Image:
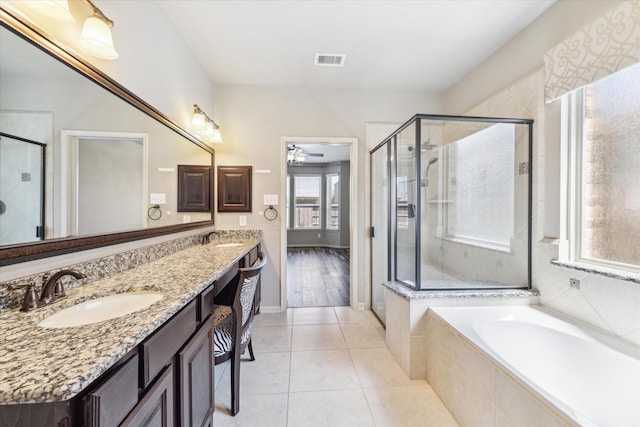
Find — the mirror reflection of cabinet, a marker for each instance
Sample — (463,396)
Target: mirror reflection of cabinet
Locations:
(234,188)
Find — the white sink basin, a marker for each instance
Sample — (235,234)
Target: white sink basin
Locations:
(227,245)
(100,309)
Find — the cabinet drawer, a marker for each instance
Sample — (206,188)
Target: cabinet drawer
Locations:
(158,350)
(224,293)
(206,302)
(114,398)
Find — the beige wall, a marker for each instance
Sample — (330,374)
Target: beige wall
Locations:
(522,55)
(255,118)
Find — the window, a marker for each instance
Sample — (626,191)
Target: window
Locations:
(480,187)
(333,201)
(307,191)
(606,171)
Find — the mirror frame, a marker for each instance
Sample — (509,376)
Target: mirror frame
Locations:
(14,254)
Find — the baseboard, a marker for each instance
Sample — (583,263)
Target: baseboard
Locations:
(270,309)
(359,306)
(318,246)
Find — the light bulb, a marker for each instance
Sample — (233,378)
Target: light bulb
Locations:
(57,10)
(198,121)
(96,38)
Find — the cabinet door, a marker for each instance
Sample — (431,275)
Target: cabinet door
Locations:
(107,405)
(157,406)
(195,373)
(234,188)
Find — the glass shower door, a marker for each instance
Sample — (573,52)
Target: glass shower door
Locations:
(21,190)
(406,206)
(379,228)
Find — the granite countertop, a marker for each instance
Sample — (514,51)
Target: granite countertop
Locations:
(47,365)
(472,292)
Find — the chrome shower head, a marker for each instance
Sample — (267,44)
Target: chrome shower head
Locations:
(424,182)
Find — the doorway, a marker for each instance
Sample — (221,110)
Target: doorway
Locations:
(318,228)
(105,171)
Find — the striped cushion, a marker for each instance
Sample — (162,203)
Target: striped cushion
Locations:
(223,337)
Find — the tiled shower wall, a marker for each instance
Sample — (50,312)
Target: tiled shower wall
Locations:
(606,303)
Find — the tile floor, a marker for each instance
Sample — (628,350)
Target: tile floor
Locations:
(325,366)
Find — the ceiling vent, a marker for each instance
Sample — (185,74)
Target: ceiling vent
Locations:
(330,59)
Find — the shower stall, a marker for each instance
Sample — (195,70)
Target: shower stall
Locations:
(451,205)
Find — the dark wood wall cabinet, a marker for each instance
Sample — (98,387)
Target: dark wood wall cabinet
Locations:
(167,380)
(234,188)
(194,188)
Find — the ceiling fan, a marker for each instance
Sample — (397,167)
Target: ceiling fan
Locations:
(297,155)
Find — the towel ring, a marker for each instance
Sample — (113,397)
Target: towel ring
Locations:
(270,213)
(154,213)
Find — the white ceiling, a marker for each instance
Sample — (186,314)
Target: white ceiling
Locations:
(330,152)
(390,45)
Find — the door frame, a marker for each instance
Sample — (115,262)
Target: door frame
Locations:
(353,212)
(69,165)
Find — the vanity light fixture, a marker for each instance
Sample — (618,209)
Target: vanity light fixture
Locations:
(96,36)
(57,10)
(205,126)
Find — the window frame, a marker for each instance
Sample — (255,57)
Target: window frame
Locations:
(294,225)
(328,205)
(573,124)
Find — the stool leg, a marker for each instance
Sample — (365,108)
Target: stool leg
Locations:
(250,346)
(235,383)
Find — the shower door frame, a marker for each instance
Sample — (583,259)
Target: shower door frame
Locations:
(40,230)
(392,243)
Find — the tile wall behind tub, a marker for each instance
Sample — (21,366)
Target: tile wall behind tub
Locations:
(609,304)
(11,297)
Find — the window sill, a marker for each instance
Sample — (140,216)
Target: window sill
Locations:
(596,269)
(479,244)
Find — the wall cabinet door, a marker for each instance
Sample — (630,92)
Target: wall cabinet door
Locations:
(234,188)
(195,373)
(156,409)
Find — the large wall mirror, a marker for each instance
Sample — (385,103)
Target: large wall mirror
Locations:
(84,162)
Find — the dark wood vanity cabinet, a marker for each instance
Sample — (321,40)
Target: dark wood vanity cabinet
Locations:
(167,380)
(171,373)
(195,373)
(157,407)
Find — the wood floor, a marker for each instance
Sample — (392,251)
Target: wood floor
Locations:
(317,277)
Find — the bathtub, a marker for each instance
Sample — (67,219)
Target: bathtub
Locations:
(590,378)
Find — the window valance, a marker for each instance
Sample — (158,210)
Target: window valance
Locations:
(609,44)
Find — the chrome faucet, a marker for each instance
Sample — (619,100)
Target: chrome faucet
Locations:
(206,238)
